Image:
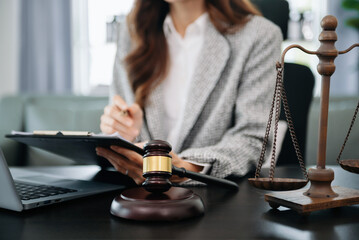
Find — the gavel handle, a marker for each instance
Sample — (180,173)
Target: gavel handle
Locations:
(182,172)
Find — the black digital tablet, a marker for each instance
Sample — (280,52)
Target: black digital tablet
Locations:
(81,149)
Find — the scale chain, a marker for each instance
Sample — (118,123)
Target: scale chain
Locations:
(277,110)
(293,136)
(349,130)
(280,94)
(269,124)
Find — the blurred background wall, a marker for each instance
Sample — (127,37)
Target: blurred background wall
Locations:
(9,46)
(68,46)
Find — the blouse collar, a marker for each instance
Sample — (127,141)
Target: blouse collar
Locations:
(196,28)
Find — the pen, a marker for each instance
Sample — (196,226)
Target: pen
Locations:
(124,113)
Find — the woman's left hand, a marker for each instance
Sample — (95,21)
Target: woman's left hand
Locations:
(124,161)
(130,163)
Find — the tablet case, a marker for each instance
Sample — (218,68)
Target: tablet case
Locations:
(81,149)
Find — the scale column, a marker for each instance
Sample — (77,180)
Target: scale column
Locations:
(320,177)
(320,194)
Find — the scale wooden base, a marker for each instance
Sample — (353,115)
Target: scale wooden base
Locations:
(297,201)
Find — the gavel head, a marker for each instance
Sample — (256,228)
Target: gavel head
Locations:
(157,166)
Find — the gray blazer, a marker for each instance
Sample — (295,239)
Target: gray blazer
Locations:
(229,98)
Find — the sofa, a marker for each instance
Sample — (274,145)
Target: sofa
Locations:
(29,113)
(82,113)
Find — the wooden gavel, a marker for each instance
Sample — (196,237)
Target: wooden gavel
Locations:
(157,200)
(157,169)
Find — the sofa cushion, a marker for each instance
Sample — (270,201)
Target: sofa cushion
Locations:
(11,109)
(61,113)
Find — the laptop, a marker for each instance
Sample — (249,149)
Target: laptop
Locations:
(22,189)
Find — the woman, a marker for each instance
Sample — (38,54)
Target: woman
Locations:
(199,74)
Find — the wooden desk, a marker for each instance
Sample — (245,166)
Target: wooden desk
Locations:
(228,215)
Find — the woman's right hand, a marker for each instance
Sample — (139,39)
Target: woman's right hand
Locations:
(126,120)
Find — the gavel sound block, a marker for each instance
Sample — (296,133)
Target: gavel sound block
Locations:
(157,200)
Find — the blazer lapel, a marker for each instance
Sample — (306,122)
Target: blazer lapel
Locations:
(211,62)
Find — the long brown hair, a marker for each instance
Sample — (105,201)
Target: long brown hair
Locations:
(147,63)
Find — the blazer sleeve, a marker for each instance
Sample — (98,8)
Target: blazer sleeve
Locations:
(239,149)
(119,84)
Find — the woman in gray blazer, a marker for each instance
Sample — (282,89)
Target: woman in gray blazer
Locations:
(199,74)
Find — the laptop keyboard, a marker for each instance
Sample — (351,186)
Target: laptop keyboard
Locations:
(29,191)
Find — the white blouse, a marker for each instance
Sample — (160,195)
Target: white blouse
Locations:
(183,55)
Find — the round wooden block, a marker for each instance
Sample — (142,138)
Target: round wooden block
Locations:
(173,205)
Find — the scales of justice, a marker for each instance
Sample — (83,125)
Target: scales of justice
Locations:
(320,195)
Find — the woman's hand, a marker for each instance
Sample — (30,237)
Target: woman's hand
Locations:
(126,120)
(130,163)
(124,161)
(179,162)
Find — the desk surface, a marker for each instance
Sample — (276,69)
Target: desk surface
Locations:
(228,215)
